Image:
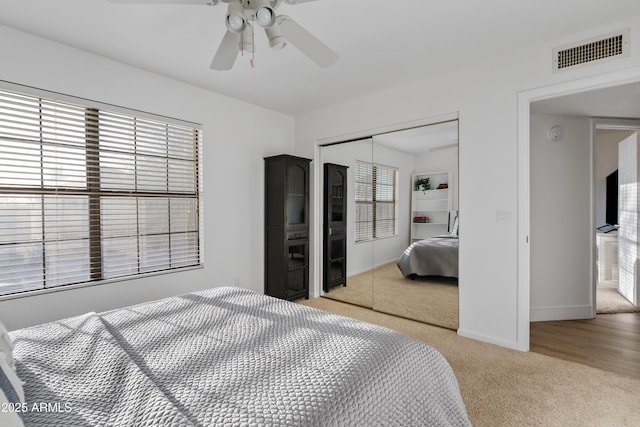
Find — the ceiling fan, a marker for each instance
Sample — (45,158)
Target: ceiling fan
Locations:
(242,16)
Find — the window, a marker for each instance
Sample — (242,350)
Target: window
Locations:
(88,194)
(376,201)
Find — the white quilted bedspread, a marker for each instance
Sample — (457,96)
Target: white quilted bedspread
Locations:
(226,357)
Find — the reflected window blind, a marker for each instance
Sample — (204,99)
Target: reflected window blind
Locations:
(88,195)
(376,201)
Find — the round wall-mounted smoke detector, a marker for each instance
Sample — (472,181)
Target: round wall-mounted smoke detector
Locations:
(555,133)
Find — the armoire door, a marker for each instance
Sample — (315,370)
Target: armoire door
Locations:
(335,226)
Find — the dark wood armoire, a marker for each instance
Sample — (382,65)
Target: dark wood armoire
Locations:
(286,254)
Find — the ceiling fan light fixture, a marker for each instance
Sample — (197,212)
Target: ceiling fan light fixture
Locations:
(276,39)
(235,17)
(265,15)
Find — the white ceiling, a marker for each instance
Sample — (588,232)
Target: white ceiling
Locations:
(621,101)
(381,43)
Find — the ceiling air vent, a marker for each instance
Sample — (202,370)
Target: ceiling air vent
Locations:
(601,49)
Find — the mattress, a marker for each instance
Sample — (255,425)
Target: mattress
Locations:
(230,356)
(435,256)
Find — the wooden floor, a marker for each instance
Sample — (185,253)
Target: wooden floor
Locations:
(610,342)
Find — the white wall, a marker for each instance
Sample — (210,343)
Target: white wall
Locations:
(233,170)
(561,282)
(485,96)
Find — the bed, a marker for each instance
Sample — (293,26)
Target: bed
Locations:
(434,256)
(227,356)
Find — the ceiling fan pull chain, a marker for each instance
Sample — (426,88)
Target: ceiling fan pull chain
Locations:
(253,53)
(241,44)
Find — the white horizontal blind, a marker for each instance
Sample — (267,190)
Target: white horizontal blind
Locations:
(376,200)
(364,202)
(385,197)
(87,194)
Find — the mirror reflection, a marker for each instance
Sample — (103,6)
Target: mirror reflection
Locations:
(347,264)
(415,273)
(399,250)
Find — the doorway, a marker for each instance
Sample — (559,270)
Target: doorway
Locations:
(626,82)
(604,341)
(581,99)
(617,211)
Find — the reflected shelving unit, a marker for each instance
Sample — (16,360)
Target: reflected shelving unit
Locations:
(431,202)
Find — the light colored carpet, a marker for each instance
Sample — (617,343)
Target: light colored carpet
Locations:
(359,290)
(503,387)
(432,300)
(609,301)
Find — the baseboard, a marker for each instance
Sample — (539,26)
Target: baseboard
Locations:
(543,314)
(491,340)
(380,264)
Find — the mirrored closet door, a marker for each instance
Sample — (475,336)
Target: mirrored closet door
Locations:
(415,271)
(401,217)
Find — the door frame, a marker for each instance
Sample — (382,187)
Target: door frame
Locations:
(525,98)
(609,123)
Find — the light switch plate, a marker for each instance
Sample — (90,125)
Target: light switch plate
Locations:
(503,216)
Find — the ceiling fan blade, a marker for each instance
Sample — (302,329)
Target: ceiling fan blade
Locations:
(306,42)
(227,53)
(206,2)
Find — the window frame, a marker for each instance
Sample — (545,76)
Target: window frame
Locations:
(95,194)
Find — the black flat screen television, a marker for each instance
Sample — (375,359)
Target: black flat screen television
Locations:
(611,215)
